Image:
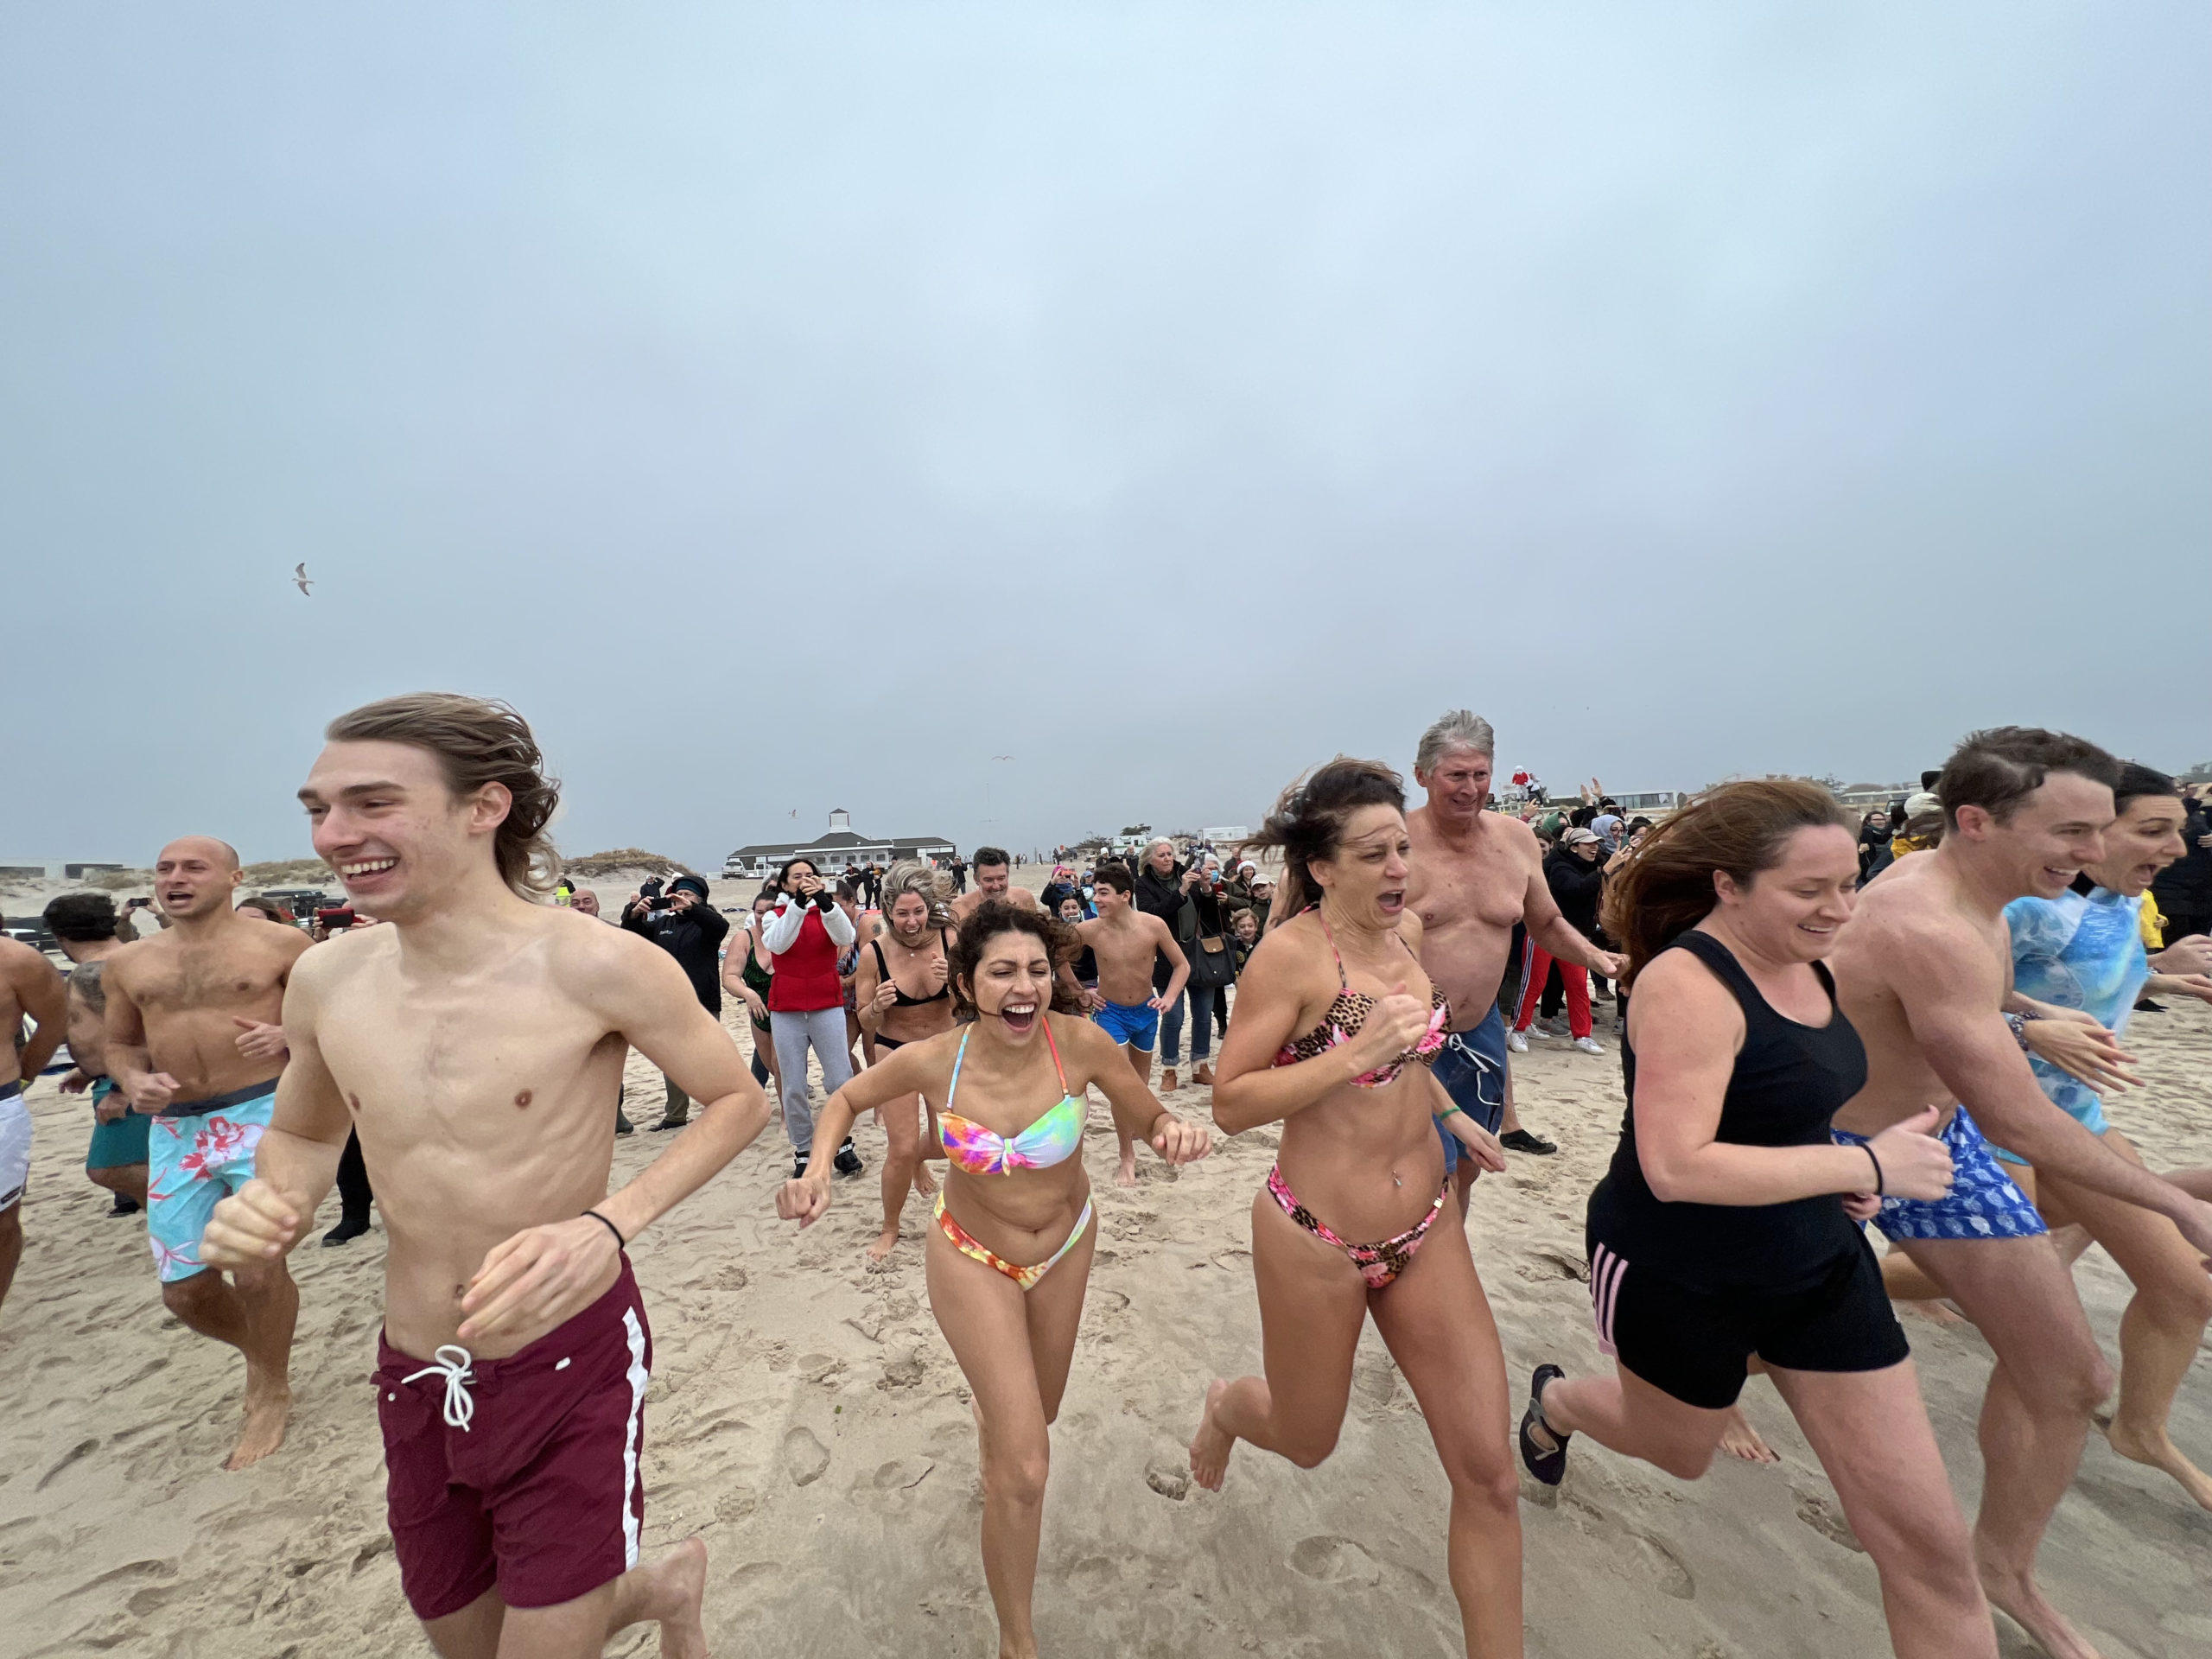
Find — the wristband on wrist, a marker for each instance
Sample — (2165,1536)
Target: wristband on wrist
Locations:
(1450,1108)
(620,1242)
(1880,1190)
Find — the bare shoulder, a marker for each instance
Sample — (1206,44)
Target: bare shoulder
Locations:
(1508,833)
(1917,911)
(16,957)
(1292,954)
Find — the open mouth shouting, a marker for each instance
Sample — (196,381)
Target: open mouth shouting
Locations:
(1019,1015)
(1392,901)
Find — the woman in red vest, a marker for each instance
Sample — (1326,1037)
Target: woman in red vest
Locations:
(806,1003)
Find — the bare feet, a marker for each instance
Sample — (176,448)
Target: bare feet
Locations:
(669,1593)
(1202,1075)
(1211,1445)
(268,1407)
(1126,1175)
(885,1241)
(2159,1451)
(1169,1082)
(1739,1439)
(2022,1600)
(925,1183)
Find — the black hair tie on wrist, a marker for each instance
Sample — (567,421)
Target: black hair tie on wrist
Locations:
(1880,1190)
(622,1244)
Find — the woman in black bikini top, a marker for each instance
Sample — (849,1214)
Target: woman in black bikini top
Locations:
(893,1017)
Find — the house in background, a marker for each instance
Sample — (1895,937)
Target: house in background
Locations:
(842,848)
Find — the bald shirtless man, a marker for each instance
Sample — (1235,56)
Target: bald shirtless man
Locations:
(1924,972)
(29,985)
(475,1042)
(195,1042)
(993,880)
(1475,874)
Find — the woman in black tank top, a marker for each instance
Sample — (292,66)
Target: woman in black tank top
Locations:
(1726,1232)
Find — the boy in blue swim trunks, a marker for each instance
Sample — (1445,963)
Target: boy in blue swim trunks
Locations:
(1924,972)
(194,1044)
(1126,942)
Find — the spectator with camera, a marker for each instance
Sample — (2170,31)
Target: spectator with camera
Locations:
(680,920)
(805,934)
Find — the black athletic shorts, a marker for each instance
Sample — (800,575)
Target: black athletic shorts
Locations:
(1693,1344)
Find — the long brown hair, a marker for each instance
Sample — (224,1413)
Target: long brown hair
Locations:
(1667,887)
(1308,822)
(476,742)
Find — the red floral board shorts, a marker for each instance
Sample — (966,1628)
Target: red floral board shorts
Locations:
(520,1473)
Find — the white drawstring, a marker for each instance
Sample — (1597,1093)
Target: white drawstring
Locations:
(453,1364)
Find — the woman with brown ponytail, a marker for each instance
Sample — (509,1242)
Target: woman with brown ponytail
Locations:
(1336,1028)
(1726,1233)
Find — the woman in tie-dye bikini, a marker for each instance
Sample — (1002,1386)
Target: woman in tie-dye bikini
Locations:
(1009,1257)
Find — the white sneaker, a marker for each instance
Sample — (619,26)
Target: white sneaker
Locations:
(1589,1044)
(1517,1041)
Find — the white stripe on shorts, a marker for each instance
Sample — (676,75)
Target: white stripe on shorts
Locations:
(1606,1272)
(631,1440)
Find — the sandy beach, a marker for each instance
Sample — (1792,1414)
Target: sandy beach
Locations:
(807,1420)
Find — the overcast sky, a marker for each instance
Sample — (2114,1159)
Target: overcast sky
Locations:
(796,407)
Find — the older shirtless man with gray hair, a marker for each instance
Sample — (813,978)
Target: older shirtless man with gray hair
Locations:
(1475,874)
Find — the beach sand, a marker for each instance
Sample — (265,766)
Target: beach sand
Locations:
(808,1421)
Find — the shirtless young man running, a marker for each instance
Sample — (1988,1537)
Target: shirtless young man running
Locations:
(1475,874)
(476,1043)
(84,925)
(28,984)
(195,1042)
(1924,972)
(1124,940)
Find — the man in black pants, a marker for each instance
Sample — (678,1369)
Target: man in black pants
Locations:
(689,929)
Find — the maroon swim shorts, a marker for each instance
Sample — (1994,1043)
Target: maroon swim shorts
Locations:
(521,1472)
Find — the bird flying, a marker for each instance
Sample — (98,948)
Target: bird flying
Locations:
(300,577)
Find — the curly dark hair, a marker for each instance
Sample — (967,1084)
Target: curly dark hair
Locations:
(992,917)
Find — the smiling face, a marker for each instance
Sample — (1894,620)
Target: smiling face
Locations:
(1792,912)
(993,880)
(195,876)
(909,918)
(384,819)
(2144,839)
(1071,910)
(1365,877)
(1459,786)
(1012,985)
(1247,925)
(2051,837)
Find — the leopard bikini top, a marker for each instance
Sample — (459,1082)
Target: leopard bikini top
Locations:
(1349,1012)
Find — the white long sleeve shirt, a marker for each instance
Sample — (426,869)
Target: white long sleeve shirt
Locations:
(782,929)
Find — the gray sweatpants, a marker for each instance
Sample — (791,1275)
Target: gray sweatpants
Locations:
(824,1028)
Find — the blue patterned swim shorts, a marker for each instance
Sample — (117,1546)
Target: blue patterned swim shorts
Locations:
(1983,1202)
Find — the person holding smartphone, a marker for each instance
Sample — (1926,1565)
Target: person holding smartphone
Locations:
(805,934)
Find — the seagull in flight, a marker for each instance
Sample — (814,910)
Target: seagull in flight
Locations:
(300,577)
(1002,757)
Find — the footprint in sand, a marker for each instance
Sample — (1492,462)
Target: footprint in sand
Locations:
(1377,1379)
(1823,1517)
(1335,1560)
(1674,1578)
(1093,1576)
(804,1456)
(1168,1481)
(82,1449)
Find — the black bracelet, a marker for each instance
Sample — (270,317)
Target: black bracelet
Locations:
(1880,1190)
(620,1242)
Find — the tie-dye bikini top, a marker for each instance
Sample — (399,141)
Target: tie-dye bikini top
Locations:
(1052,1139)
(1349,1012)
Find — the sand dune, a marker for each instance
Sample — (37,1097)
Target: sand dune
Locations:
(807,1420)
